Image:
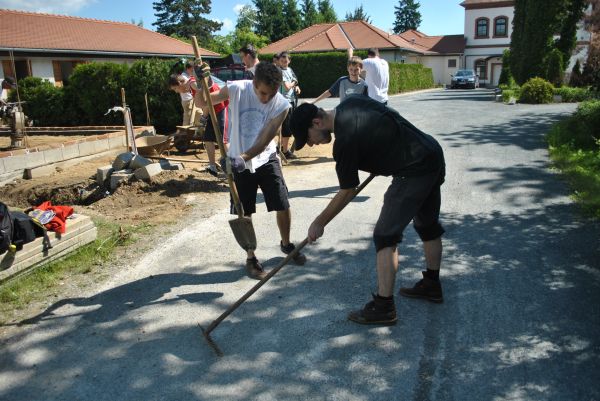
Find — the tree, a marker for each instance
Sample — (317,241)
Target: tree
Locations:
(309,13)
(555,69)
(505,75)
(591,70)
(407,16)
(568,32)
(292,17)
(326,11)
(184,18)
(534,24)
(269,19)
(358,15)
(246,19)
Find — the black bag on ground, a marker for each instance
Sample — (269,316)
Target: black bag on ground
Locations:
(6,228)
(24,229)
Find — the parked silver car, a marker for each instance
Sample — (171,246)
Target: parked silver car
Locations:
(465,79)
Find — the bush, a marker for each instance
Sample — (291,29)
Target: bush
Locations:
(407,77)
(44,103)
(318,71)
(150,76)
(570,95)
(582,130)
(537,91)
(555,71)
(92,90)
(507,94)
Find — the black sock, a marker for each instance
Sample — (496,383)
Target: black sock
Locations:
(433,274)
(386,298)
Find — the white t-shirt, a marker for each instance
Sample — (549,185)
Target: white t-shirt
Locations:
(248,116)
(186,96)
(378,78)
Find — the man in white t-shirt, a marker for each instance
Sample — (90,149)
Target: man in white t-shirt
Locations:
(376,73)
(256,112)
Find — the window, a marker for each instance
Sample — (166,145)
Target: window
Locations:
(482,28)
(500,27)
(481,69)
(452,63)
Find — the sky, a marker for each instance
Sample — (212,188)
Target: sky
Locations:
(438,17)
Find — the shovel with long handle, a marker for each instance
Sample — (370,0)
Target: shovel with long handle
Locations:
(206,332)
(242,227)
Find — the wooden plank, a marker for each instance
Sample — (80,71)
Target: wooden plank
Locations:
(60,250)
(74,228)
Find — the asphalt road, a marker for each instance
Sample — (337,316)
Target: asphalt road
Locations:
(521,277)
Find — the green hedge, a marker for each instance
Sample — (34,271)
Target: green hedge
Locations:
(318,71)
(407,77)
(570,95)
(537,91)
(582,130)
(94,88)
(44,103)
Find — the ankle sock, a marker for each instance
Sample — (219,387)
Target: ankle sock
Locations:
(433,274)
(385,298)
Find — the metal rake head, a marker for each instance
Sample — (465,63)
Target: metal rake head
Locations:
(211,342)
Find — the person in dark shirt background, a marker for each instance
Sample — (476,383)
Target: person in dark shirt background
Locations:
(372,137)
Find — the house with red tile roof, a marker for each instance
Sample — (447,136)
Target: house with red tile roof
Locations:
(50,46)
(436,52)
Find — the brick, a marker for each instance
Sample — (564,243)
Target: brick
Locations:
(53,155)
(101,145)
(103,173)
(138,162)
(118,179)
(86,148)
(14,163)
(70,151)
(122,161)
(169,165)
(147,172)
(42,171)
(116,142)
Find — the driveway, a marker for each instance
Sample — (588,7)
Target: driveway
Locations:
(521,276)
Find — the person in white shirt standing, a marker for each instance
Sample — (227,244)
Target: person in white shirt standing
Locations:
(376,73)
(257,110)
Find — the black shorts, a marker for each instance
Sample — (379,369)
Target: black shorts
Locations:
(410,198)
(209,131)
(286,130)
(269,179)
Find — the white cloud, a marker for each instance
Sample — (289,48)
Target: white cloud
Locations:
(227,27)
(238,7)
(45,6)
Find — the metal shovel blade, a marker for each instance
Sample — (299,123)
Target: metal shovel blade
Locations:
(243,231)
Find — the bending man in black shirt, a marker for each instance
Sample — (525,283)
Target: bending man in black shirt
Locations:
(371,137)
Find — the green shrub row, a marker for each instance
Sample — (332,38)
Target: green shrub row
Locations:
(94,88)
(570,95)
(537,90)
(582,130)
(318,71)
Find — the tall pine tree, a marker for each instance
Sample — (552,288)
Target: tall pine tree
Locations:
(359,14)
(407,16)
(310,15)
(568,31)
(534,24)
(183,18)
(326,11)
(292,18)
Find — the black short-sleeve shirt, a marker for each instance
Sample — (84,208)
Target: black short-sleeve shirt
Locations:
(372,137)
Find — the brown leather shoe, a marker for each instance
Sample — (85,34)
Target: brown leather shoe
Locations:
(254,269)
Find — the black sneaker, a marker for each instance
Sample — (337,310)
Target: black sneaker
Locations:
(426,288)
(289,155)
(379,311)
(299,259)
(254,269)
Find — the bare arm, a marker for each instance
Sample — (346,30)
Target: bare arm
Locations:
(339,201)
(322,96)
(265,136)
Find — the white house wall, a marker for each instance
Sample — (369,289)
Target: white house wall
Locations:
(490,13)
(42,68)
(439,66)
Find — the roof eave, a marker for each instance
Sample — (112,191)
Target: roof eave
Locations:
(95,52)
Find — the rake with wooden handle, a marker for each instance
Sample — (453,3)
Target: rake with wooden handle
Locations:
(206,332)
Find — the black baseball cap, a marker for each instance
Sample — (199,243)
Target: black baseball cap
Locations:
(300,122)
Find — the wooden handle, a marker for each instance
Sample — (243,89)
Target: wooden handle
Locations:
(123,96)
(217,128)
